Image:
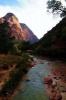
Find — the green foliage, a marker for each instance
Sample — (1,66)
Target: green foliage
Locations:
(13,81)
(25,57)
(15,75)
(30,51)
(24,62)
(39,50)
(24,46)
(15,50)
(5,39)
(56,7)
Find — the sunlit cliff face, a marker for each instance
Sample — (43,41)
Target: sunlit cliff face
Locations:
(19,31)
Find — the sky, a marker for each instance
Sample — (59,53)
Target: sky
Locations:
(31,12)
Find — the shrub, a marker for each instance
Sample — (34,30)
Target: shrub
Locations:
(13,81)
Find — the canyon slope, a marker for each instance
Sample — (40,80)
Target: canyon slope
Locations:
(53,43)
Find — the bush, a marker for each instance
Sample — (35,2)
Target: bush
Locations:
(13,81)
(15,75)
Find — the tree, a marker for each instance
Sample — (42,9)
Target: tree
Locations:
(56,7)
(24,46)
(5,39)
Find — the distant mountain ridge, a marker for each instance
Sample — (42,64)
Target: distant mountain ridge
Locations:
(19,30)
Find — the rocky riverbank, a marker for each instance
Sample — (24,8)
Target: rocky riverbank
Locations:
(15,74)
(56,82)
(53,75)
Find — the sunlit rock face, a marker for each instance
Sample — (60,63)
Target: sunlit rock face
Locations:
(28,34)
(19,31)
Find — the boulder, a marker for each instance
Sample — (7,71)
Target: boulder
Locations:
(29,60)
(54,84)
(58,96)
(47,80)
(28,79)
(52,95)
(55,95)
(32,63)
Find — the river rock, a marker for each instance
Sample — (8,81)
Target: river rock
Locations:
(52,95)
(47,80)
(55,95)
(32,63)
(54,84)
(29,60)
(28,79)
(58,96)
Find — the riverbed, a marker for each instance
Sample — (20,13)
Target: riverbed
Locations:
(33,87)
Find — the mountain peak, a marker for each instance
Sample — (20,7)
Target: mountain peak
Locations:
(19,30)
(9,14)
(11,19)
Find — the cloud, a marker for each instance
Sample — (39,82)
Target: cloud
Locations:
(26,3)
(33,14)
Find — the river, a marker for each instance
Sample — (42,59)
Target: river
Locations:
(33,86)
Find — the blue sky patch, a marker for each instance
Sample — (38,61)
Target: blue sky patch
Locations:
(9,2)
(15,2)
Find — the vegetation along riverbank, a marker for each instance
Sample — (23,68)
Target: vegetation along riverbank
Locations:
(12,69)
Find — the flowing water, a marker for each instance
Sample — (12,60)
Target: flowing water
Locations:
(34,88)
